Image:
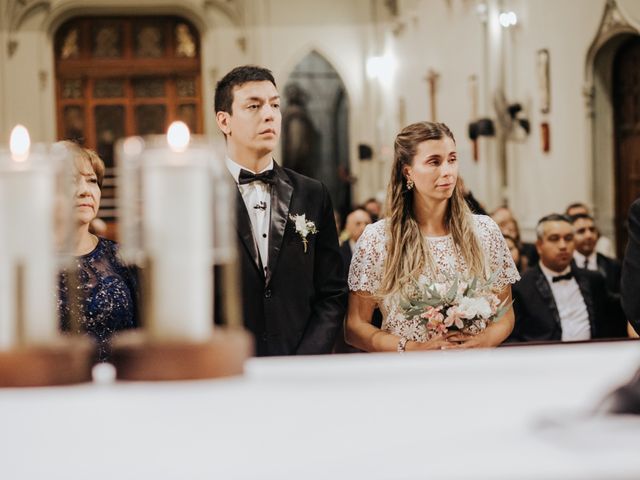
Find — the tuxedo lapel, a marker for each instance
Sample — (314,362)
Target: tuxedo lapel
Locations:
(547,296)
(281,194)
(245,231)
(585,290)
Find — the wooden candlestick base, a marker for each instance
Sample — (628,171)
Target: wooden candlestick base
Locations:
(137,357)
(65,361)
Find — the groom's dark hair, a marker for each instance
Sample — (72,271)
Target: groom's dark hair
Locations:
(236,78)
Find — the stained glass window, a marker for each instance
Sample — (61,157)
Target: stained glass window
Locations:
(150,119)
(148,87)
(72,88)
(109,121)
(73,123)
(108,88)
(188,114)
(186,87)
(149,41)
(107,40)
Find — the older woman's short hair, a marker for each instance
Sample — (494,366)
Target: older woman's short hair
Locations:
(88,155)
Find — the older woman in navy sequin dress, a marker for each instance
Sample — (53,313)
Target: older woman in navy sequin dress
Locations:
(104,297)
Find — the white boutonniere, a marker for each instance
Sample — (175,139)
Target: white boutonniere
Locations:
(303,228)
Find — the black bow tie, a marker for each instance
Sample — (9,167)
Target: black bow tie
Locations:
(566,276)
(246,177)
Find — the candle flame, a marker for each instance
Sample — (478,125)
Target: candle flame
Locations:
(19,143)
(178,136)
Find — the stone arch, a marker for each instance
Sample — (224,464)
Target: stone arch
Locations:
(315,125)
(60,14)
(614,30)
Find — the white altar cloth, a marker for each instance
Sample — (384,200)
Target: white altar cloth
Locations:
(471,414)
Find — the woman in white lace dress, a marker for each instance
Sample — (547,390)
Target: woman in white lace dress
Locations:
(430,231)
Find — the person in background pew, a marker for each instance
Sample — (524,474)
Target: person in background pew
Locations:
(555,300)
(604,245)
(356,222)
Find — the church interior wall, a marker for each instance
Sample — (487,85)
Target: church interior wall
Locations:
(446,36)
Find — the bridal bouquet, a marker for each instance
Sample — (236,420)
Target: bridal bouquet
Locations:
(454,305)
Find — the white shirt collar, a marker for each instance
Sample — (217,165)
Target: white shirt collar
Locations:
(234,168)
(580,258)
(549,274)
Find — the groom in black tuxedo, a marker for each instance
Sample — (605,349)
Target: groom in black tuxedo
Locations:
(293,288)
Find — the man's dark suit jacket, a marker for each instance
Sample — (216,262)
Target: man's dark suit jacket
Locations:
(630,285)
(298,304)
(611,270)
(346,254)
(536,313)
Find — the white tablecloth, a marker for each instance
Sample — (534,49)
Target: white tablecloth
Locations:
(500,414)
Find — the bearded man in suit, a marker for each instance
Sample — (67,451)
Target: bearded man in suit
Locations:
(586,256)
(293,286)
(554,300)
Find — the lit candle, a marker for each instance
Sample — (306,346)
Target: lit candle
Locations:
(26,227)
(177,232)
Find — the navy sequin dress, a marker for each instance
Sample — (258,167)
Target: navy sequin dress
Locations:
(105,298)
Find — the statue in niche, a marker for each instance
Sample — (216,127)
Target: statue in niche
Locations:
(186,46)
(70,47)
(150,42)
(301,138)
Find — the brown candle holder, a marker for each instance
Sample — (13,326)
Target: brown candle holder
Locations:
(65,361)
(138,357)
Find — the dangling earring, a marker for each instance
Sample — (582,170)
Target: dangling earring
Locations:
(410,184)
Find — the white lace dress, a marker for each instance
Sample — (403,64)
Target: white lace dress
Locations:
(369,257)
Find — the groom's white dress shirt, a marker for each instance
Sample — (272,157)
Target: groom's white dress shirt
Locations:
(257,199)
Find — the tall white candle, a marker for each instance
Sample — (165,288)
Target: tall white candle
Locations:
(177,233)
(26,200)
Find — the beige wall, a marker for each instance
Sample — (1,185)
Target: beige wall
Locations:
(447,36)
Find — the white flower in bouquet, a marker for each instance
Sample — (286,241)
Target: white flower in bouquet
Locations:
(459,304)
(471,308)
(441,288)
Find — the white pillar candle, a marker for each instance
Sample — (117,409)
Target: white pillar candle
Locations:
(177,235)
(27,198)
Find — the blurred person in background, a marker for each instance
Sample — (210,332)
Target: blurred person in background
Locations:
(555,300)
(519,260)
(509,226)
(374,207)
(604,245)
(357,221)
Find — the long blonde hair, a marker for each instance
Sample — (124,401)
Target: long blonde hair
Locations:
(407,251)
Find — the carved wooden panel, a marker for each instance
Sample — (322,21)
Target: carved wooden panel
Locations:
(107,40)
(148,87)
(149,40)
(626,102)
(122,76)
(151,119)
(109,88)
